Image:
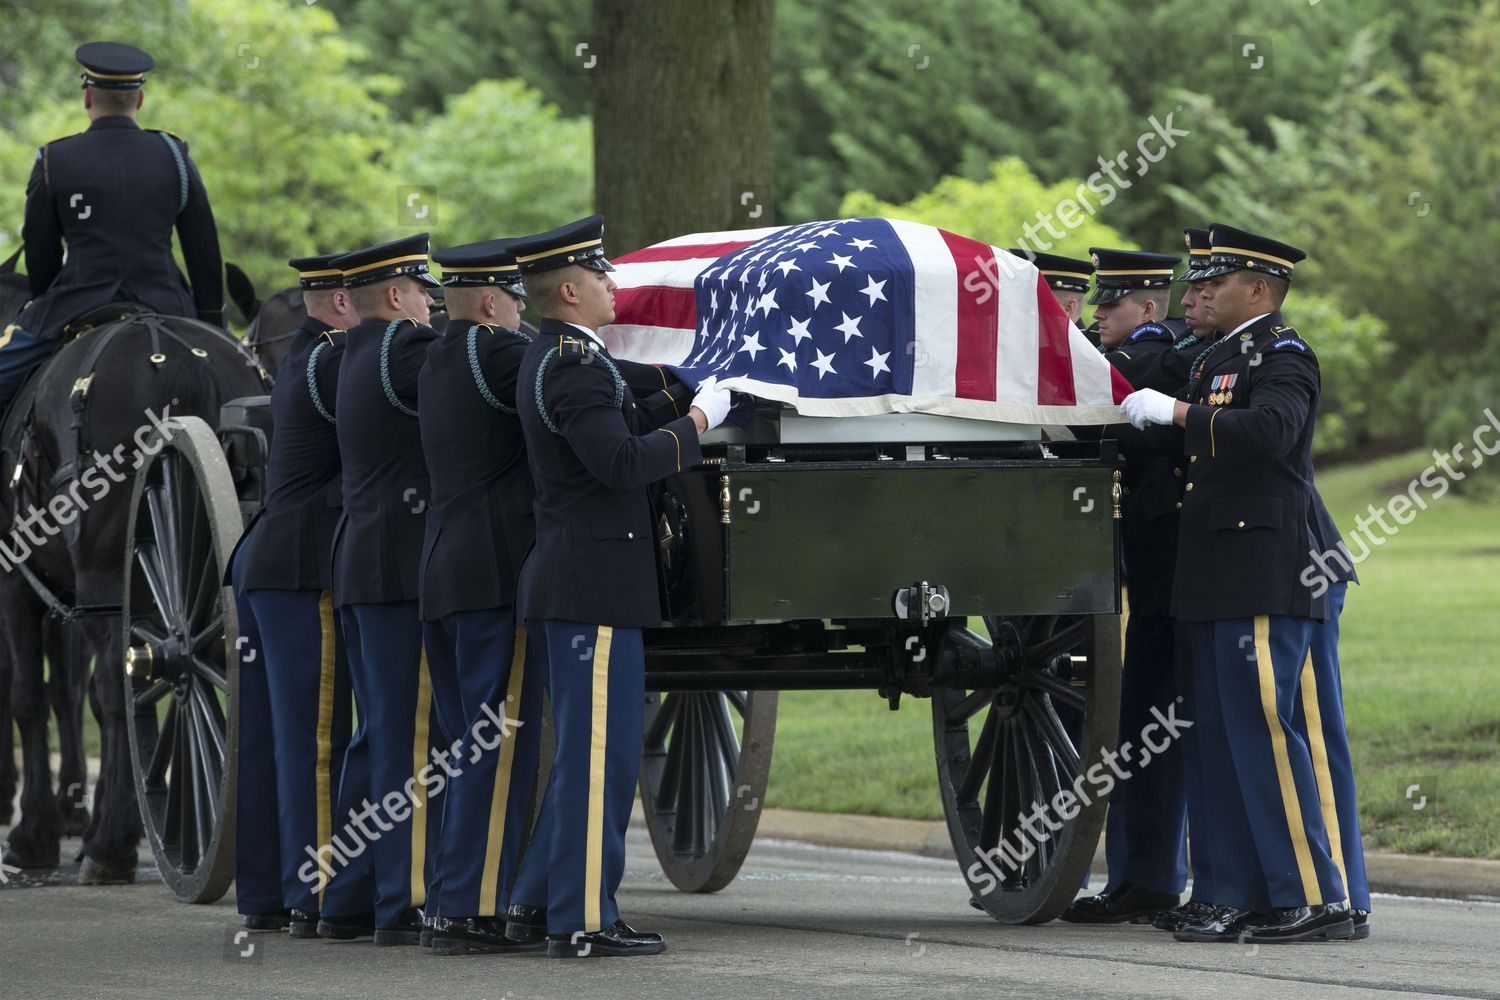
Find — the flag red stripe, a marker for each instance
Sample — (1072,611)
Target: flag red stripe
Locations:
(682,251)
(1054,384)
(1119,386)
(656,305)
(978,320)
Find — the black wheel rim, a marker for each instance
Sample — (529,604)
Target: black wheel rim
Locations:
(180,689)
(1003,751)
(704,768)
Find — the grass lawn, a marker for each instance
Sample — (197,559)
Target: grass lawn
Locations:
(1420,656)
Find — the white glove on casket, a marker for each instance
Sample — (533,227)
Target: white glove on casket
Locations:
(713,401)
(1148,406)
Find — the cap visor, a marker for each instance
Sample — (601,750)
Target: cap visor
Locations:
(1217,270)
(598,264)
(1104,296)
(428,280)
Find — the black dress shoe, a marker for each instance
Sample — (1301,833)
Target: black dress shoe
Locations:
(1122,904)
(480,936)
(355,925)
(406,930)
(275,921)
(1325,922)
(618,939)
(303,924)
(1223,923)
(526,923)
(1190,912)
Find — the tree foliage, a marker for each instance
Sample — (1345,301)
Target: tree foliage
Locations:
(293,132)
(996,210)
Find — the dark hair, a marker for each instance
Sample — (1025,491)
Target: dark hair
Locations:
(114,102)
(1278,286)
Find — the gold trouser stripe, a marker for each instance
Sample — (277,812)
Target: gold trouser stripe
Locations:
(593,870)
(419,807)
(1313,713)
(1289,801)
(322,774)
(489,882)
(1213,450)
(10,331)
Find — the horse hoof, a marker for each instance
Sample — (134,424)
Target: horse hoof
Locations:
(21,859)
(91,872)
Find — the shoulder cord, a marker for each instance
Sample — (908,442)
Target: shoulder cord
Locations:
(182,177)
(312,381)
(541,376)
(479,382)
(385,370)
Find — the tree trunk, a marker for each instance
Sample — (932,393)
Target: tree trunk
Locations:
(682,117)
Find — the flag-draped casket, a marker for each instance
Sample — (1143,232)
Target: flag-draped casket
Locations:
(862,316)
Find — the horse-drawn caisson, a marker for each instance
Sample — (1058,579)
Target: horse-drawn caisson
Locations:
(951,545)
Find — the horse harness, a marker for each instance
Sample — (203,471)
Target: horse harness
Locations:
(25,483)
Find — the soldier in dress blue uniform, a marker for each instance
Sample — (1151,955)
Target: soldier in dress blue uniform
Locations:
(1145,838)
(112,195)
(376,552)
(479,528)
(295,697)
(1246,548)
(588,588)
(1175,365)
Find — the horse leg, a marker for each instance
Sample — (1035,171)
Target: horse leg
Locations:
(65,684)
(109,853)
(8,775)
(33,842)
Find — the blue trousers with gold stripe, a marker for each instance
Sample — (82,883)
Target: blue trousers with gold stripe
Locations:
(1265,821)
(1319,718)
(257,857)
(486,808)
(390,808)
(447,729)
(596,678)
(1199,818)
(311,715)
(1144,841)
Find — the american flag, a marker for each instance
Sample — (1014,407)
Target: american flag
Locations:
(861,316)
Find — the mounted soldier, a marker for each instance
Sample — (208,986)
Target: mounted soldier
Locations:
(112,194)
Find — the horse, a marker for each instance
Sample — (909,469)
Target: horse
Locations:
(87,412)
(67,678)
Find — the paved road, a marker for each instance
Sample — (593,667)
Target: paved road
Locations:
(800,921)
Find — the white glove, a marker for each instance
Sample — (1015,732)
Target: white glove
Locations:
(713,401)
(1147,406)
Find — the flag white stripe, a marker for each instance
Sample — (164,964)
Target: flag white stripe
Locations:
(649,345)
(1091,372)
(935,283)
(663,273)
(1018,331)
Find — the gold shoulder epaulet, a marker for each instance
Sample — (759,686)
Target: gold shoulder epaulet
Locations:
(167,131)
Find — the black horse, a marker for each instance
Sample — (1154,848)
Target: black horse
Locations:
(68,676)
(83,420)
